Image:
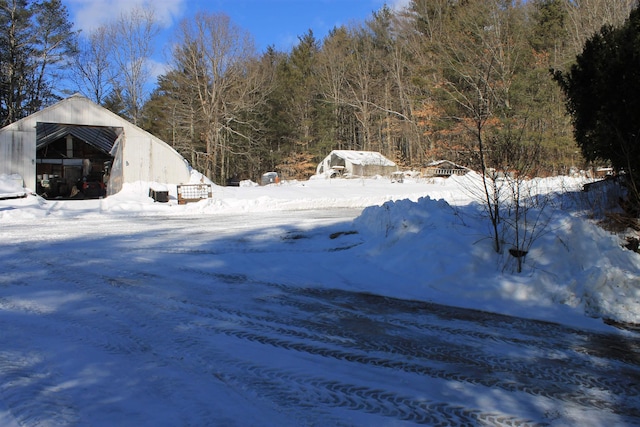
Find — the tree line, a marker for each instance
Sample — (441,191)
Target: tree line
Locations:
(462,80)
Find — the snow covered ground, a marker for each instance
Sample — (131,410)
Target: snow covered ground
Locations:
(96,296)
(431,235)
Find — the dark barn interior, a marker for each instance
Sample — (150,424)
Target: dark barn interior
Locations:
(73,162)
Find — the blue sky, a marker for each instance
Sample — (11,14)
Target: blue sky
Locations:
(270,22)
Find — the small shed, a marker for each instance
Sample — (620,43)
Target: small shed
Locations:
(76,142)
(356,163)
(443,168)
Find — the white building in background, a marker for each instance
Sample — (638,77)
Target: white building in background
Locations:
(356,163)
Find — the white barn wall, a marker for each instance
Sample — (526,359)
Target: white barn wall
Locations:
(116,175)
(144,157)
(15,155)
(146,160)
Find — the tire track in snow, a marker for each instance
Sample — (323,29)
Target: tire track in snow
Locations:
(298,390)
(360,331)
(567,380)
(486,375)
(32,391)
(124,330)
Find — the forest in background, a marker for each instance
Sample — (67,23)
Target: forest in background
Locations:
(463,80)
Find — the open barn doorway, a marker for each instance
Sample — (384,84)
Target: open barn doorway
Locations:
(72,161)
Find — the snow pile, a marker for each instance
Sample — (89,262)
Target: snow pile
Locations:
(11,186)
(445,253)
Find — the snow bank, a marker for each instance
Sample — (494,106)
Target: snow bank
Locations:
(438,249)
(11,186)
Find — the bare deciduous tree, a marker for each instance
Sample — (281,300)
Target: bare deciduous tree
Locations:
(586,17)
(215,59)
(92,70)
(131,41)
(480,60)
(514,154)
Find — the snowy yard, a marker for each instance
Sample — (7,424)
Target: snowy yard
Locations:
(327,302)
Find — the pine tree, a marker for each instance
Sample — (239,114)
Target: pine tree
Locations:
(603,99)
(36,40)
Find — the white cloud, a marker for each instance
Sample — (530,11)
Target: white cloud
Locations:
(156,69)
(90,14)
(395,5)
(400,4)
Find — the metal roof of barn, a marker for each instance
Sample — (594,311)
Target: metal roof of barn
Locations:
(100,137)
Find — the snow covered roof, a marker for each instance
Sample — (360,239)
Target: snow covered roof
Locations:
(363,157)
(437,163)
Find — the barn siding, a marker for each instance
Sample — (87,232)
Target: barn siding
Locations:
(17,155)
(115,178)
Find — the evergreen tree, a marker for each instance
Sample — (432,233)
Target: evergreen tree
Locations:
(549,18)
(55,45)
(280,127)
(603,98)
(16,59)
(301,74)
(301,101)
(339,118)
(36,40)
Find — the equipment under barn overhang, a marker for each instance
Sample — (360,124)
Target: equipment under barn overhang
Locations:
(74,161)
